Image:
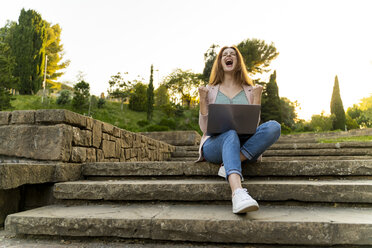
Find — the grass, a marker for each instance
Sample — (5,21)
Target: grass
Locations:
(110,113)
(347,139)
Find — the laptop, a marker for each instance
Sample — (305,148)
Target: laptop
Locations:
(243,118)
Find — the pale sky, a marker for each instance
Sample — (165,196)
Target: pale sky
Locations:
(317,40)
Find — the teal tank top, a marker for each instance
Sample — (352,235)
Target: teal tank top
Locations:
(239,98)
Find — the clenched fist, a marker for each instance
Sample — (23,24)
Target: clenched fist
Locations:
(203,93)
(257,93)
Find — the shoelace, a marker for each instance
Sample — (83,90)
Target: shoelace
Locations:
(243,193)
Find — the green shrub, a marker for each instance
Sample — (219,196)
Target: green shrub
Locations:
(154,128)
(285,129)
(168,123)
(143,123)
(64,97)
(101,102)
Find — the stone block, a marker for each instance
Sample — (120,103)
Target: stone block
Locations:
(36,142)
(23,117)
(90,122)
(5,117)
(105,136)
(79,154)
(127,140)
(81,137)
(127,153)
(117,148)
(54,116)
(108,148)
(97,133)
(137,141)
(108,128)
(100,156)
(116,132)
(91,155)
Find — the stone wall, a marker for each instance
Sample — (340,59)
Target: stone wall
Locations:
(176,138)
(62,135)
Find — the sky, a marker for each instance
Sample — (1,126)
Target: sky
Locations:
(316,40)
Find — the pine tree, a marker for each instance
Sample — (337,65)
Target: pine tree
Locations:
(28,48)
(271,101)
(337,108)
(54,51)
(150,96)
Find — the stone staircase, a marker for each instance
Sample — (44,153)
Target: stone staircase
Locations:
(310,194)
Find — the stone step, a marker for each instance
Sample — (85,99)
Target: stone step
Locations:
(287,158)
(343,191)
(295,152)
(202,223)
(286,146)
(320,152)
(274,168)
(340,145)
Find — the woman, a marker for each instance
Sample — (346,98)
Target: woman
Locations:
(229,83)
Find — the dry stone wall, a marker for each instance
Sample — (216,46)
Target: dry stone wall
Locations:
(62,135)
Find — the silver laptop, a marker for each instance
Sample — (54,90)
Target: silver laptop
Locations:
(243,118)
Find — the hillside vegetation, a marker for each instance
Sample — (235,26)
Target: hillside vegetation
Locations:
(182,119)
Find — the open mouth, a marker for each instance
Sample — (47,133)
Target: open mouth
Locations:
(229,63)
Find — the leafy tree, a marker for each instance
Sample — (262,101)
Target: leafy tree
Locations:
(209,58)
(138,97)
(150,96)
(55,53)
(161,96)
(81,95)
(184,84)
(337,108)
(28,48)
(270,105)
(7,64)
(288,111)
(64,97)
(351,123)
(101,103)
(119,88)
(321,123)
(257,54)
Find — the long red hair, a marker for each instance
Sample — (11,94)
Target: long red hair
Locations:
(240,71)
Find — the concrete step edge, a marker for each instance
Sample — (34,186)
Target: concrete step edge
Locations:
(269,225)
(343,191)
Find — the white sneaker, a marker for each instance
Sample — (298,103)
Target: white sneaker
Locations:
(222,172)
(242,202)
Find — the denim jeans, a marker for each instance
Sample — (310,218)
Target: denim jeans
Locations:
(226,147)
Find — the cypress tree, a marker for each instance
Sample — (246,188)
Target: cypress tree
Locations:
(337,108)
(150,96)
(271,101)
(28,47)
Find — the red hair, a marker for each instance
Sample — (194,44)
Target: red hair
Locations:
(240,72)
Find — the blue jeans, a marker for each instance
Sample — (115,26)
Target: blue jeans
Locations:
(226,147)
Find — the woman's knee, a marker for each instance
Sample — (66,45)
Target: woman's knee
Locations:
(274,127)
(231,135)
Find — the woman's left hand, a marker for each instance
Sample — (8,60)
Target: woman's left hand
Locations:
(257,93)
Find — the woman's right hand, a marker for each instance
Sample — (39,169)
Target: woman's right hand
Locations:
(203,93)
(203,96)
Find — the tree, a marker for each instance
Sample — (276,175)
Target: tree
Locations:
(161,96)
(337,108)
(209,58)
(150,96)
(270,106)
(54,51)
(257,54)
(28,48)
(7,64)
(119,88)
(184,84)
(81,95)
(288,111)
(138,97)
